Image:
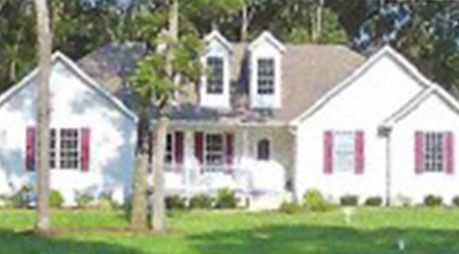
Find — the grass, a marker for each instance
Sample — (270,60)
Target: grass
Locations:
(372,230)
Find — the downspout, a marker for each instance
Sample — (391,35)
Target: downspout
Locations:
(385,131)
(293,168)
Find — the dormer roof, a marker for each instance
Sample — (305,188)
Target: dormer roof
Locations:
(267,37)
(216,35)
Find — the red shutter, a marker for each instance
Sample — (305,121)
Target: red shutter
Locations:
(419,152)
(449,153)
(199,146)
(85,140)
(328,152)
(229,151)
(178,149)
(30,148)
(359,152)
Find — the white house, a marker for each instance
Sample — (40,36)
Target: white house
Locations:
(269,120)
(93,135)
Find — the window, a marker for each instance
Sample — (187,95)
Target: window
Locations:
(265,75)
(169,156)
(214,153)
(52,148)
(69,149)
(263,150)
(344,159)
(433,152)
(214,75)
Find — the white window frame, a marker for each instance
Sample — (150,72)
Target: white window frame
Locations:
(434,152)
(58,164)
(264,90)
(338,167)
(210,72)
(214,167)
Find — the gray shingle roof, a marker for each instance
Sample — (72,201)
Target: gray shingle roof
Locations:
(308,73)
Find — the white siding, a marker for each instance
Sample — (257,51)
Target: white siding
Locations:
(75,105)
(431,115)
(362,105)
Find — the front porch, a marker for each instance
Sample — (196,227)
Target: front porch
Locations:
(253,162)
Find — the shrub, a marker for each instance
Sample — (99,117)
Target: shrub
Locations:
(84,200)
(105,201)
(202,201)
(432,200)
(374,201)
(25,197)
(226,198)
(175,203)
(404,200)
(349,200)
(455,201)
(314,201)
(55,199)
(290,208)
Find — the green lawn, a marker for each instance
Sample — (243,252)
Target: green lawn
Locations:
(216,232)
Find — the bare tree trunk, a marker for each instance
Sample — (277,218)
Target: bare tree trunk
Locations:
(158,221)
(43,118)
(159,138)
(139,204)
(317,20)
(245,22)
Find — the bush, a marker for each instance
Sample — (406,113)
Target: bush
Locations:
(374,201)
(456,201)
(226,198)
(290,208)
(432,200)
(202,201)
(313,200)
(175,203)
(84,200)
(105,201)
(23,198)
(404,201)
(55,199)
(349,200)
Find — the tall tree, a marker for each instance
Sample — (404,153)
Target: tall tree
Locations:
(43,114)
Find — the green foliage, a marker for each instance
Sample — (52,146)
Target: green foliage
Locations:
(55,199)
(202,201)
(455,201)
(175,202)
(226,199)
(84,199)
(290,208)
(313,200)
(373,201)
(433,200)
(349,200)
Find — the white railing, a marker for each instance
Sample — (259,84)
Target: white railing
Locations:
(208,177)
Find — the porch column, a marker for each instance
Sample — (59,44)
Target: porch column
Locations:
(188,159)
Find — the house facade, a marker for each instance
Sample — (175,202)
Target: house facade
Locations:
(268,120)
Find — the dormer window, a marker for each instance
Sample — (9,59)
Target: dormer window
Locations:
(214,75)
(266,78)
(214,90)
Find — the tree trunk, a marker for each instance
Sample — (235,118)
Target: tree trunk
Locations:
(43,116)
(317,20)
(158,221)
(139,204)
(245,22)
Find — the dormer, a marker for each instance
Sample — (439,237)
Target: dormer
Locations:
(265,71)
(214,90)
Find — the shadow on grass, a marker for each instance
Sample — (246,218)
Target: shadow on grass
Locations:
(12,242)
(304,239)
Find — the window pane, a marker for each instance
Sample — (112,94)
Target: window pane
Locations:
(433,151)
(265,68)
(69,149)
(344,151)
(214,149)
(169,149)
(263,150)
(215,75)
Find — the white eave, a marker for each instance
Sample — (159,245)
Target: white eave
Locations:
(216,35)
(266,36)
